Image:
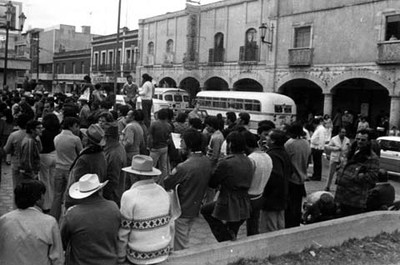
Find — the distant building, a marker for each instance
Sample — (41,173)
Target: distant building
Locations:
(104,60)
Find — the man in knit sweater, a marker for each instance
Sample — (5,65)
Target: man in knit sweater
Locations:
(144,235)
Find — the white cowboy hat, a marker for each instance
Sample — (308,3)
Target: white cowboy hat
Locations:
(86,186)
(142,165)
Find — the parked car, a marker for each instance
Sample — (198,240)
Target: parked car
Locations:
(390,154)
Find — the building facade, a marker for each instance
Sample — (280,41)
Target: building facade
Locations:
(103,55)
(326,55)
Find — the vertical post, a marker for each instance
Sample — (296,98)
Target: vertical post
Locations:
(6,56)
(37,57)
(328,103)
(117,56)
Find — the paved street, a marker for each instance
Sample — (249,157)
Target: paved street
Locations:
(200,235)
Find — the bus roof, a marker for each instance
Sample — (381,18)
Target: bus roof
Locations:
(169,89)
(262,96)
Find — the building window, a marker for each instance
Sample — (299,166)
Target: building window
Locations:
(150,48)
(64,68)
(251,47)
(128,56)
(170,46)
(119,56)
(103,58)
(96,59)
(110,57)
(57,68)
(135,54)
(392,28)
(219,47)
(82,67)
(73,68)
(302,37)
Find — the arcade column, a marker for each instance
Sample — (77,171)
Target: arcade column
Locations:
(328,104)
(394,117)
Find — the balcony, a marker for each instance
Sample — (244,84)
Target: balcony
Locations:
(300,57)
(129,67)
(248,54)
(106,67)
(388,52)
(216,57)
(168,59)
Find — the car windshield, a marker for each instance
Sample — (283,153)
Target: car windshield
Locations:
(387,145)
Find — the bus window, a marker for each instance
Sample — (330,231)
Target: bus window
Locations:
(178,98)
(185,98)
(287,109)
(278,109)
(168,97)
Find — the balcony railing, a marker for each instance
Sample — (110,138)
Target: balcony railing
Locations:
(300,57)
(216,56)
(389,52)
(249,54)
(106,67)
(129,67)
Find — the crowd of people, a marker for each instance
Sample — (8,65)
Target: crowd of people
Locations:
(94,185)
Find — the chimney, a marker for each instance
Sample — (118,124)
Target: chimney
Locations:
(86,29)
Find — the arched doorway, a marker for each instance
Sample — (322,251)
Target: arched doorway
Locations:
(167,82)
(216,83)
(307,95)
(247,84)
(192,86)
(362,96)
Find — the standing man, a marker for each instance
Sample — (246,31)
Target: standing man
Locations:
(357,177)
(233,175)
(68,146)
(318,140)
(30,151)
(146,93)
(159,136)
(27,235)
(192,176)
(339,146)
(13,147)
(116,160)
(132,135)
(144,236)
(276,191)
(130,90)
(89,230)
(299,151)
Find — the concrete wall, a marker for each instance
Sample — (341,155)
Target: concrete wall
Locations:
(324,234)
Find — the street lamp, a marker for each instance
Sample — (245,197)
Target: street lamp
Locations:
(7,26)
(267,32)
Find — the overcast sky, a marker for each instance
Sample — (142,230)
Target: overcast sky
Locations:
(101,15)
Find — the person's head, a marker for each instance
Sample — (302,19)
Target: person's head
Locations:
(236,142)
(383,175)
(34,128)
(146,78)
(111,131)
(181,118)
(163,114)
(87,79)
(342,133)
(138,115)
(97,86)
(362,139)
(51,122)
(29,193)
(263,131)
(251,141)
(196,123)
(48,106)
(94,135)
(123,110)
(104,117)
(244,118)
(211,123)
(191,141)
(268,123)
(72,124)
(22,120)
(276,137)
(129,79)
(295,130)
(230,118)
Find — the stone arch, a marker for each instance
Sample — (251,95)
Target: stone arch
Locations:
(292,76)
(384,82)
(216,83)
(247,84)
(167,82)
(253,76)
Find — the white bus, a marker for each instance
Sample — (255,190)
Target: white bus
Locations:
(260,105)
(177,98)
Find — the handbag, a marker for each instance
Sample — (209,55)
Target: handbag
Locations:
(175,205)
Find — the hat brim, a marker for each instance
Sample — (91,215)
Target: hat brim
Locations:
(102,142)
(153,172)
(75,193)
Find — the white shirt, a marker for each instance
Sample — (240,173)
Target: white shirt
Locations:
(318,138)
(335,144)
(263,168)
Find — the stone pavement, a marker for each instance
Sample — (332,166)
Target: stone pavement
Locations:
(200,234)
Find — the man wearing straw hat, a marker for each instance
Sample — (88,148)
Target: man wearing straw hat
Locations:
(144,235)
(89,231)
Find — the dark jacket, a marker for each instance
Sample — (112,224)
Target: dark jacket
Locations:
(192,176)
(380,197)
(233,174)
(276,191)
